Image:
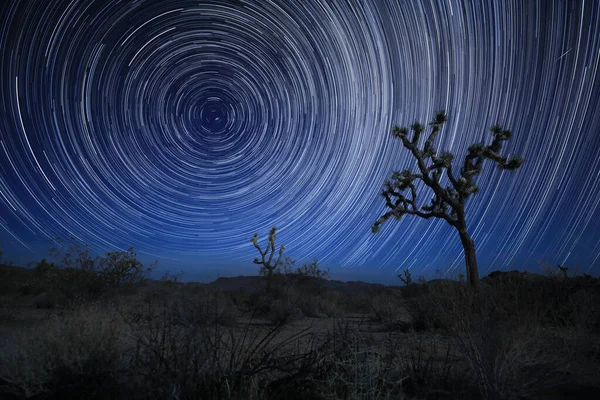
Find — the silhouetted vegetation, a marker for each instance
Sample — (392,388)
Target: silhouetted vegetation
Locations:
(406,278)
(77,275)
(521,335)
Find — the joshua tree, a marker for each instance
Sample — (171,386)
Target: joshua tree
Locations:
(407,278)
(266,261)
(448,202)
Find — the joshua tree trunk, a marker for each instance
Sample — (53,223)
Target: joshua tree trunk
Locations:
(470,257)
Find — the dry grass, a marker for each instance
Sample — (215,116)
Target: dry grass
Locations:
(515,337)
(84,350)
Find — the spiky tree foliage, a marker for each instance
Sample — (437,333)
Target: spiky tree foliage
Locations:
(266,261)
(448,202)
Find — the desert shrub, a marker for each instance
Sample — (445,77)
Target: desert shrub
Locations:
(331,303)
(585,306)
(513,362)
(385,306)
(283,312)
(79,276)
(505,331)
(414,290)
(430,312)
(354,369)
(92,353)
(259,303)
(310,306)
(8,308)
(508,355)
(48,300)
(313,305)
(181,361)
(74,284)
(363,366)
(206,307)
(311,270)
(360,372)
(430,367)
(81,355)
(552,302)
(357,302)
(12,278)
(32,288)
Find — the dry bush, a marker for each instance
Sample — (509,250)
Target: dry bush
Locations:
(309,305)
(430,366)
(49,299)
(207,307)
(332,304)
(414,290)
(283,311)
(8,308)
(430,311)
(360,372)
(505,341)
(356,302)
(509,360)
(32,288)
(355,369)
(77,275)
(77,355)
(397,366)
(585,305)
(181,361)
(92,353)
(506,331)
(290,294)
(315,303)
(385,306)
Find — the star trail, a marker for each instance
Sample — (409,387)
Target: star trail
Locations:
(183,127)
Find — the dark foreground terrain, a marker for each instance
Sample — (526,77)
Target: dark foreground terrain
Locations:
(520,336)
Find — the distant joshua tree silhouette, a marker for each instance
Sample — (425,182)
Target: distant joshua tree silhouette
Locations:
(268,265)
(448,202)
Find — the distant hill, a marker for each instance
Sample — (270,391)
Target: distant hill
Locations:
(12,277)
(255,283)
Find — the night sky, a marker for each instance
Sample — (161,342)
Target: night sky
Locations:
(183,127)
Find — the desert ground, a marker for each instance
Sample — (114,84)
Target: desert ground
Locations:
(521,335)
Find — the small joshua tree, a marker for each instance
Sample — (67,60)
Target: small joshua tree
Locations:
(407,278)
(266,262)
(448,203)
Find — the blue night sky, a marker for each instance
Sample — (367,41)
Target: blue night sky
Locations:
(183,127)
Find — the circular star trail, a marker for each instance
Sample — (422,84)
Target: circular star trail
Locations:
(181,128)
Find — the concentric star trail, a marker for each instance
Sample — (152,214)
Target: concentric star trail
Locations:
(183,127)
